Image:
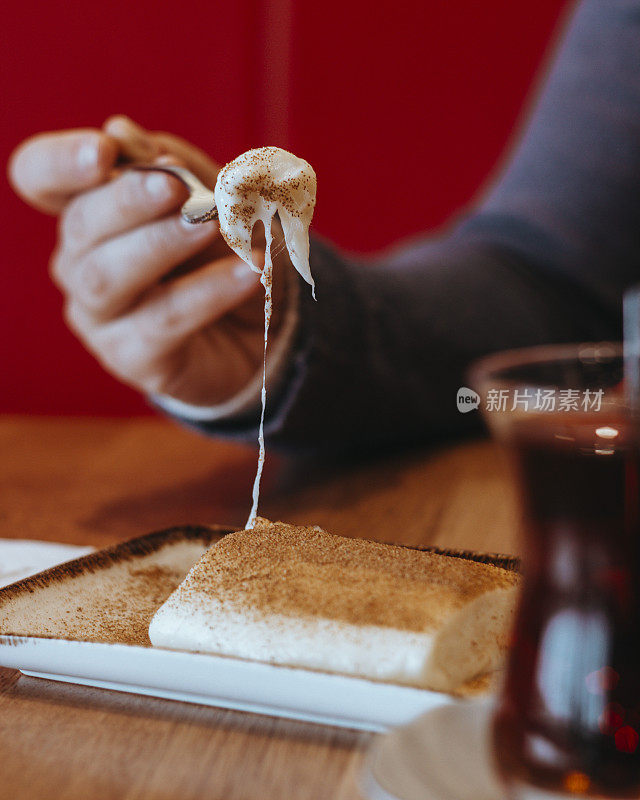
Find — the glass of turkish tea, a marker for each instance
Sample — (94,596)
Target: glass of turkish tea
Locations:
(567,720)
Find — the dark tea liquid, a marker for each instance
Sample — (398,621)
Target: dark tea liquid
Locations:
(569,718)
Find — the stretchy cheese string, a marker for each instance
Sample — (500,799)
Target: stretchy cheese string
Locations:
(266,281)
(251,188)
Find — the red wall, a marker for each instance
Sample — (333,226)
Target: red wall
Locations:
(423,94)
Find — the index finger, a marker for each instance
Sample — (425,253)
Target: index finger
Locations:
(46,170)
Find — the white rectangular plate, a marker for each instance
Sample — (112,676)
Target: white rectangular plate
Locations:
(86,622)
(225,682)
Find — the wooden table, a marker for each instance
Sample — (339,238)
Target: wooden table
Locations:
(89,481)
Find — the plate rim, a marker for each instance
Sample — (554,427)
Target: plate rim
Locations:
(112,554)
(148,543)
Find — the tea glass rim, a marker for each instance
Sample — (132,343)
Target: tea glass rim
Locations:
(491,367)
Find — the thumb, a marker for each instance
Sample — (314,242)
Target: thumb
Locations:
(191,156)
(138,144)
(135,143)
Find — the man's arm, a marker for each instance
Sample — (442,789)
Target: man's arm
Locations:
(544,258)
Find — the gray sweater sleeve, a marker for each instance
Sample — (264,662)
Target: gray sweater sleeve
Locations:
(543,258)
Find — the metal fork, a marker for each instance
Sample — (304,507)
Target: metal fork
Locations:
(200,206)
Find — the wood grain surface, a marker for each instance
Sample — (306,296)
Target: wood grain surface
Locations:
(96,482)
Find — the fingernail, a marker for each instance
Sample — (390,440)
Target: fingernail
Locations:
(156,184)
(87,156)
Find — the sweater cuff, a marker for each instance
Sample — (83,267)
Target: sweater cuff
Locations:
(248,400)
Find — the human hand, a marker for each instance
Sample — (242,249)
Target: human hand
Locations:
(165,306)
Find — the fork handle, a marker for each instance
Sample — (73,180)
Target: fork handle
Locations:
(182,173)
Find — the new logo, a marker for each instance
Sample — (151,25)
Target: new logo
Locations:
(467,400)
